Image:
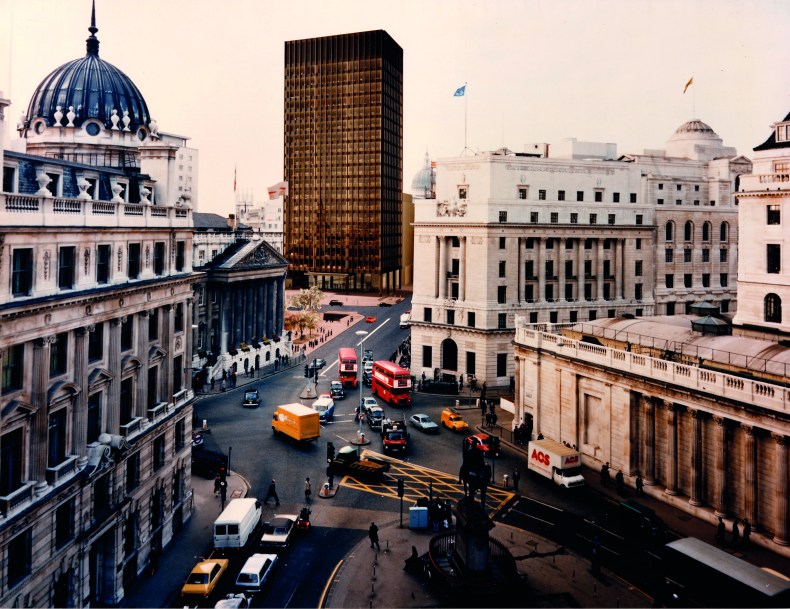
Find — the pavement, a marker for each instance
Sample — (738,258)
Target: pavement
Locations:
(367,577)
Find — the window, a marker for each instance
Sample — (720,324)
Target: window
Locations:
(22,272)
(549,265)
(669,255)
(638,268)
(501,294)
(180,260)
(127,333)
(159,452)
(179,433)
(687,255)
(568,291)
(94,417)
(427,356)
(178,320)
(501,364)
(722,255)
(555,217)
(687,280)
(548,292)
(593,218)
(598,196)
(427,314)
(773,308)
(470,319)
(705,280)
(706,231)
(462,192)
(132,472)
(661,186)
(502,267)
(159,258)
(533,317)
(9,179)
(553,316)
(549,243)
(529,269)
(669,281)
(593,315)
(126,401)
(20,548)
(58,354)
(103,263)
(588,244)
(615,197)
(587,291)
(569,244)
(696,202)
(502,243)
(638,243)
(533,217)
(670,308)
(470,362)
(588,269)
(64,523)
(133,262)
(451,317)
(632,197)
(607,266)
(96,343)
(725,306)
(574,218)
(13,358)
(678,201)
(773,254)
(569,269)
(153,387)
(541,195)
(696,187)
(56,438)
(502,216)
(66,267)
(530,243)
(773,215)
(611,218)
(639,219)
(529,293)
(522,192)
(724,231)
(688,231)
(638,291)
(502,321)
(660,202)
(560,195)
(580,195)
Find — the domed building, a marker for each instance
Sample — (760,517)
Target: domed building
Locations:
(696,140)
(423,185)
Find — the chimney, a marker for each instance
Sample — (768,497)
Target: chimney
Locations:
(232,221)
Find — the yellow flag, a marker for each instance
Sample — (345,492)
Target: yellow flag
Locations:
(688,84)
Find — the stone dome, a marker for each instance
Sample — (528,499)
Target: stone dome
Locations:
(697,140)
(695,126)
(422,183)
(93,88)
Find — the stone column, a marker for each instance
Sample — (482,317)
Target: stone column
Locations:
(618,269)
(224,321)
(540,269)
(782,488)
(696,457)
(279,306)
(649,469)
(520,259)
(561,270)
(749,480)
(141,399)
(720,480)
(672,450)
(238,316)
(166,376)
(188,346)
(114,364)
(462,271)
(442,267)
(635,445)
(599,270)
(39,422)
(80,411)
(580,271)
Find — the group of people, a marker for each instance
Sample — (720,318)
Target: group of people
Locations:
(522,434)
(739,539)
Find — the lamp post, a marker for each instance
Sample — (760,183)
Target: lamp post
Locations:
(361,334)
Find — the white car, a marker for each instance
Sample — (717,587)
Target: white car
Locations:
(277,532)
(367,367)
(233,601)
(424,423)
(367,403)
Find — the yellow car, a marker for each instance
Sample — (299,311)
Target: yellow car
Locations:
(204,577)
(452,420)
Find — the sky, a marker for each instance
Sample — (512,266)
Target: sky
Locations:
(535,70)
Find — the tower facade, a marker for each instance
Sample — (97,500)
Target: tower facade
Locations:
(344,161)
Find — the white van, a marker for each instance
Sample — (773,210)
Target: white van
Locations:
(255,571)
(236,523)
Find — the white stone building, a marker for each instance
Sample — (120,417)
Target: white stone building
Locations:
(567,239)
(264,217)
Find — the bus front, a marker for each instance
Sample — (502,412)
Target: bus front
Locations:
(347,367)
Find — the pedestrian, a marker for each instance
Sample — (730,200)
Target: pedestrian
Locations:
(233,379)
(488,419)
(272,493)
(222,385)
(493,419)
(217,480)
(640,485)
(307,489)
(373,534)
(604,470)
(212,383)
(736,534)
(747,531)
(720,532)
(596,558)
(540,437)
(223,493)
(620,479)
(516,478)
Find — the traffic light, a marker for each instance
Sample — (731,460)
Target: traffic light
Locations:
(306,370)
(400,487)
(330,452)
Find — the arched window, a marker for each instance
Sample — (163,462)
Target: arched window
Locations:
(706,231)
(724,232)
(449,354)
(670,231)
(688,231)
(773,308)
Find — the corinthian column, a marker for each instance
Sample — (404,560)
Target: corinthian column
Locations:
(750,477)
(39,422)
(672,450)
(650,441)
(80,410)
(114,363)
(720,480)
(696,457)
(781,490)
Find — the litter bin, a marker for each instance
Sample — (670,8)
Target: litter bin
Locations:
(418,517)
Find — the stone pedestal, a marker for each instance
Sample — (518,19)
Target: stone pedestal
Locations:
(471,535)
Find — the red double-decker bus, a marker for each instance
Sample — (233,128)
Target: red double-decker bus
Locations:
(391,383)
(347,367)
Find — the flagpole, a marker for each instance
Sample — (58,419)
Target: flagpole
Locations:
(465,118)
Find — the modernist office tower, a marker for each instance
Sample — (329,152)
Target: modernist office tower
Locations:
(344,161)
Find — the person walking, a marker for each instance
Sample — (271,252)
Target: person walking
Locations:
(747,531)
(720,532)
(307,489)
(223,493)
(272,493)
(736,534)
(217,481)
(516,478)
(620,480)
(212,383)
(604,473)
(373,534)
(640,485)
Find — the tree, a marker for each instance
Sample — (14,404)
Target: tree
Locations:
(307,300)
(308,320)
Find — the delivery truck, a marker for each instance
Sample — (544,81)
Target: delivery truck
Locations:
(556,462)
(298,422)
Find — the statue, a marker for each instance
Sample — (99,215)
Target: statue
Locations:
(154,129)
(126,120)
(71,116)
(114,119)
(475,474)
(58,116)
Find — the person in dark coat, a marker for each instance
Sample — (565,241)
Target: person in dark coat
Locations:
(373,534)
(272,493)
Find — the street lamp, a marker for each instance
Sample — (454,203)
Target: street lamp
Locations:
(361,334)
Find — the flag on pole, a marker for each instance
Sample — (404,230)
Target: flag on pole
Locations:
(278,190)
(234,178)
(688,84)
(459,92)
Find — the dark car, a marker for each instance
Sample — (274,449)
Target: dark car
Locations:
(375,416)
(250,398)
(319,363)
(367,379)
(335,303)
(385,304)
(208,463)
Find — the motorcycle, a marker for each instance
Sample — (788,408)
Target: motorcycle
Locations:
(303,520)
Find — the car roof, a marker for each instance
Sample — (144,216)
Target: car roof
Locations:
(376,409)
(281,520)
(207,565)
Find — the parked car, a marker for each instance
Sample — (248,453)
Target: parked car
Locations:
(370,319)
(336,390)
(375,416)
(424,423)
(277,532)
(250,398)
(452,420)
(204,578)
(335,303)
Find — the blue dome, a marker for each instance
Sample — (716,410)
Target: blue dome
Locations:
(93,87)
(421,184)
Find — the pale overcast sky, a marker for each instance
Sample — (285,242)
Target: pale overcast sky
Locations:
(536,70)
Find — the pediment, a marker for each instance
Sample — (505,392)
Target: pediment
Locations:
(61,390)
(17,408)
(97,376)
(156,353)
(263,256)
(130,362)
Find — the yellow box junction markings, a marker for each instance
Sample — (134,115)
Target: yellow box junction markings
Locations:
(417,483)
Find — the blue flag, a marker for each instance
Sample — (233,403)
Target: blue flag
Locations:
(459,92)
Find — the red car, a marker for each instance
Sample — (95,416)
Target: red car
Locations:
(482,441)
(370,319)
